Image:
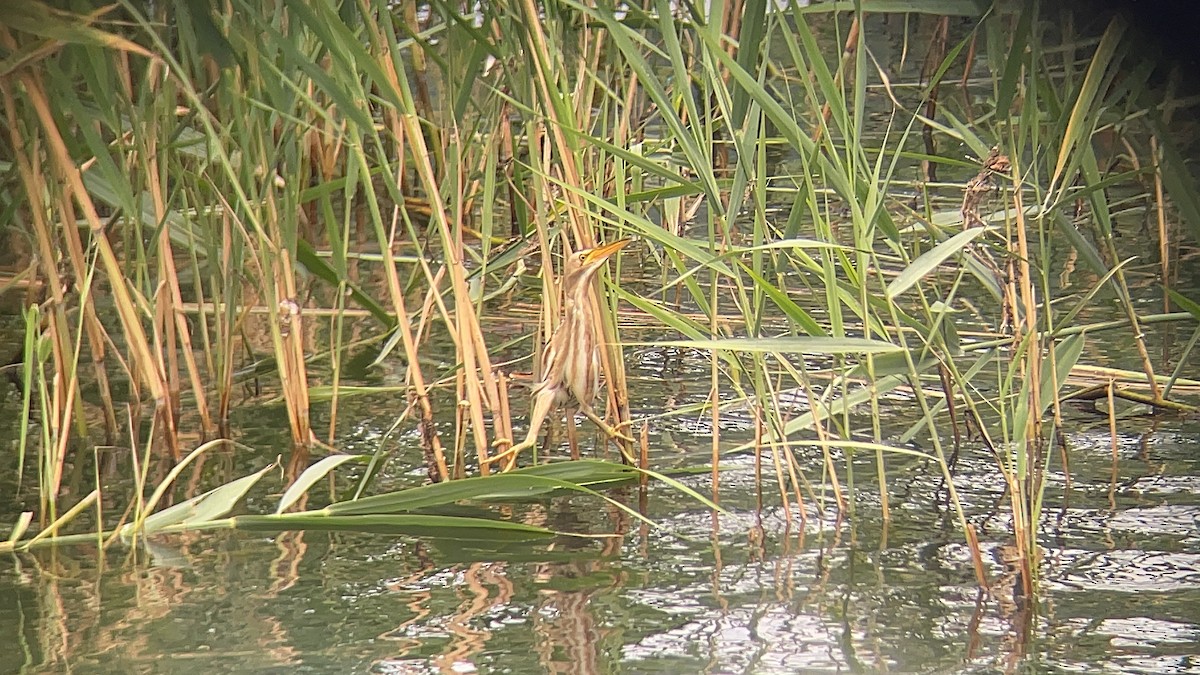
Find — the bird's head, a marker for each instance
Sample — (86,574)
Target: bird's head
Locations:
(582,265)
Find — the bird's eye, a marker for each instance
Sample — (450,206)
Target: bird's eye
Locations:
(582,257)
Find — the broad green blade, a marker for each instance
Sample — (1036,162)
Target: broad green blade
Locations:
(789,345)
(308,257)
(211,505)
(1186,304)
(930,260)
(413,525)
(514,485)
(310,476)
(1066,355)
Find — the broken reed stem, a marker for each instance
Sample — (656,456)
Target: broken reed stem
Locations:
(1026,489)
(501,420)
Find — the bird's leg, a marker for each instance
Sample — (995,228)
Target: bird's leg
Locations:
(572,437)
(551,439)
(543,401)
(621,438)
(604,426)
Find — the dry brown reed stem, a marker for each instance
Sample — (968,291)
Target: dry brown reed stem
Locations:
(288,329)
(413,372)
(501,420)
(287,322)
(169,302)
(976,556)
(1026,330)
(625,130)
(464,324)
(432,297)
(97,341)
(216,308)
(462,419)
(731,25)
(644,453)
(29,168)
(1112,422)
(968,66)
(166,346)
(480,393)
(481,388)
(933,58)
(1139,337)
(545,71)
(335,376)
(58,458)
(1164,234)
(400,131)
(97,335)
(586,73)
(141,358)
(56,325)
(506,145)
(422,101)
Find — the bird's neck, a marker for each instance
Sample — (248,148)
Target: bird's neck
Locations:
(578,297)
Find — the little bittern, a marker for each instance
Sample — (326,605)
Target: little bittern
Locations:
(571,361)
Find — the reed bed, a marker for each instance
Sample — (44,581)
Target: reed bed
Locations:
(192,192)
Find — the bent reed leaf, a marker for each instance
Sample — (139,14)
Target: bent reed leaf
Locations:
(787,345)
(930,260)
(413,525)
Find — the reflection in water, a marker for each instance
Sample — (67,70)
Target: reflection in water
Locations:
(93,617)
(465,640)
(567,635)
(758,598)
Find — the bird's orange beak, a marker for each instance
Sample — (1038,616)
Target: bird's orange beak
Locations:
(601,253)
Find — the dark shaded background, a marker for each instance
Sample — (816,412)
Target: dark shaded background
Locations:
(1167,31)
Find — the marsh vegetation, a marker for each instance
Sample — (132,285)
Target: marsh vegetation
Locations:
(874,243)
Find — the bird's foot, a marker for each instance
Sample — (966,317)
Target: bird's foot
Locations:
(624,441)
(509,454)
(611,431)
(617,435)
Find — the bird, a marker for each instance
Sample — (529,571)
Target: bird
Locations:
(571,359)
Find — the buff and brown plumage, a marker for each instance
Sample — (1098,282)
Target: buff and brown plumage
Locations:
(571,360)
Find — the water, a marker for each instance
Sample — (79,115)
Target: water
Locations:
(1121,580)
